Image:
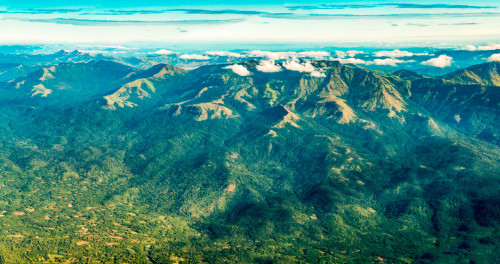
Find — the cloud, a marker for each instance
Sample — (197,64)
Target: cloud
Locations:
(98,22)
(469,48)
(268,54)
(268,66)
(393,16)
(164,52)
(351,61)
(224,12)
(288,54)
(494,57)
(44,11)
(461,24)
(238,69)
(327,6)
(111,12)
(312,54)
(353,53)
(397,5)
(390,62)
(482,48)
(441,61)
(398,53)
(194,57)
(224,54)
(427,6)
(108,47)
(350,53)
(318,74)
(417,24)
(296,66)
(489,47)
(393,54)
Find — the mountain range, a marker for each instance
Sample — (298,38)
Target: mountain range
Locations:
(328,163)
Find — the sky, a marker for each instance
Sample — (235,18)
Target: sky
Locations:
(417,23)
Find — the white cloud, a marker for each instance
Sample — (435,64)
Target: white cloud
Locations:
(488,47)
(106,47)
(351,60)
(295,66)
(397,53)
(268,66)
(441,61)
(470,48)
(350,53)
(494,57)
(194,57)
(289,54)
(238,69)
(163,52)
(224,54)
(267,54)
(318,74)
(390,62)
(353,53)
(312,54)
(340,54)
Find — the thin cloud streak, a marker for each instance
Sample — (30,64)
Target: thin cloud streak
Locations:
(98,22)
(396,5)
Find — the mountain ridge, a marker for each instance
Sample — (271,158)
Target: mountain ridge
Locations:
(208,166)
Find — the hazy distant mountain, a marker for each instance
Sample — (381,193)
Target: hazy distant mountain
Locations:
(66,83)
(9,71)
(326,163)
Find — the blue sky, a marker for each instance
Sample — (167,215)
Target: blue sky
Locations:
(329,22)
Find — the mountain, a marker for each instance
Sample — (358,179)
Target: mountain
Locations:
(156,81)
(9,71)
(66,83)
(484,74)
(318,163)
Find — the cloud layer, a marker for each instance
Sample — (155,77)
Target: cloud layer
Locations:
(300,67)
(288,54)
(488,47)
(494,57)
(268,66)
(441,61)
(389,62)
(194,57)
(164,52)
(224,54)
(102,22)
(238,69)
(397,53)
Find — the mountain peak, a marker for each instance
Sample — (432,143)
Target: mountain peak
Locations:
(407,74)
(484,74)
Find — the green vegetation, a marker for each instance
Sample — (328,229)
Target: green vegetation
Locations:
(284,181)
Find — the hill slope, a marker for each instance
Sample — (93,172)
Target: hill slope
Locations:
(208,166)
